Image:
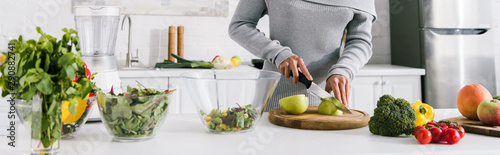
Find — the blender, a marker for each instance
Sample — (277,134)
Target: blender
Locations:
(97,28)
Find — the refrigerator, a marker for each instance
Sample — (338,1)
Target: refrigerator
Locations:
(453,40)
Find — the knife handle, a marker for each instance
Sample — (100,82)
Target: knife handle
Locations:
(304,80)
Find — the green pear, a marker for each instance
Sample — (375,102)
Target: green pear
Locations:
(296,104)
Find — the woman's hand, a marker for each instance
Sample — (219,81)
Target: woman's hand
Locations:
(340,86)
(294,64)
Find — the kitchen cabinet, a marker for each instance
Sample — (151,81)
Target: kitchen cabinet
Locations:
(183,100)
(365,90)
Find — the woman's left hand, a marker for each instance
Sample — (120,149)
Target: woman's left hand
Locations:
(340,86)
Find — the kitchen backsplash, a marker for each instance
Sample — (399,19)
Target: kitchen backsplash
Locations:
(205,37)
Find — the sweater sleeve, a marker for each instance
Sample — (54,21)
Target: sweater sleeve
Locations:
(243,31)
(358,46)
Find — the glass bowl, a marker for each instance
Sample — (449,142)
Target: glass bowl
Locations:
(230,101)
(134,117)
(71,123)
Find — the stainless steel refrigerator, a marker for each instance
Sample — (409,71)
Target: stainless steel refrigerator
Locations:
(451,39)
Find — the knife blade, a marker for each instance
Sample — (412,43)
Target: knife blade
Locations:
(316,90)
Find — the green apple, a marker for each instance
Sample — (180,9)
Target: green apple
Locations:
(488,111)
(296,104)
(326,107)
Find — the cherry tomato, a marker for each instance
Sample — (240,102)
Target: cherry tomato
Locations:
(430,125)
(416,129)
(443,125)
(460,130)
(451,136)
(423,136)
(437,134)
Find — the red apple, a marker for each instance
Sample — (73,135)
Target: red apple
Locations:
(488,112)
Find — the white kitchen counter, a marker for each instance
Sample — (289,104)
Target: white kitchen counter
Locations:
(388,69)
(184,134)
(368,70)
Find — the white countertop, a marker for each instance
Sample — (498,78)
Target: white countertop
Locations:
(368,70)
(388,69)
(184,134)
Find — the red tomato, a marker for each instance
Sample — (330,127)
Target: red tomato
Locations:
(443,125)
(451,136)
(460,130)
(423,136)
(437,134)
(416,129)
(430,125)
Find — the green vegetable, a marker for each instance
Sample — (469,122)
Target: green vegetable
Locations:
(183,63)
(46,67)
(135,113)
(232,119)
(392,117)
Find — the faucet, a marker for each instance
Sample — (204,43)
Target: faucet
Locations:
(130,58)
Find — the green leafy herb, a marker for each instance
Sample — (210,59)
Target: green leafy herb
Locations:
(232,119)
(46,67)
(135,113)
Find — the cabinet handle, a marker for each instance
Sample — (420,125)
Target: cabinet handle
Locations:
(379,82)
(385,82)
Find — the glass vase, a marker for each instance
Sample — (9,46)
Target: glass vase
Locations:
(46,125)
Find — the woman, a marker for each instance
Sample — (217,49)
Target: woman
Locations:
(305,36)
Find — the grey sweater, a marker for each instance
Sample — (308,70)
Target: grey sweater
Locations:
(310,29)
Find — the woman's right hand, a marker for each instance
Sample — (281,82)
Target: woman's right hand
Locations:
(292,66)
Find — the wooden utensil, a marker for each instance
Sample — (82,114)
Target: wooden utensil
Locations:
(312,120)
(171,43)
(476,126)
(180,41)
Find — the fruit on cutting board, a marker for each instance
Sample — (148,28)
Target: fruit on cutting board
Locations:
(326,107)
(296,104)
(488,112)
(468,99)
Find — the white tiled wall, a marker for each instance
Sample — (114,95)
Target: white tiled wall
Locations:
(205,37)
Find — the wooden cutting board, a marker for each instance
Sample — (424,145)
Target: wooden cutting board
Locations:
(475,126)
(312,120)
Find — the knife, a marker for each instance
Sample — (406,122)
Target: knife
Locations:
(316,90)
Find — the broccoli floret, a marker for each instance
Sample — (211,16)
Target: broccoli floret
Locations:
(392,117)
(384,100)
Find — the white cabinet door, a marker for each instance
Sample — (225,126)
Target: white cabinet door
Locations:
(365,92)
(407,87)
(184,104)
(159,83)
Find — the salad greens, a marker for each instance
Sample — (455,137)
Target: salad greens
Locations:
(46,67)
(135,113)
(231,120)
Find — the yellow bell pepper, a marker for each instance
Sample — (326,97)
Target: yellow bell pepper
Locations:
(423,112)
